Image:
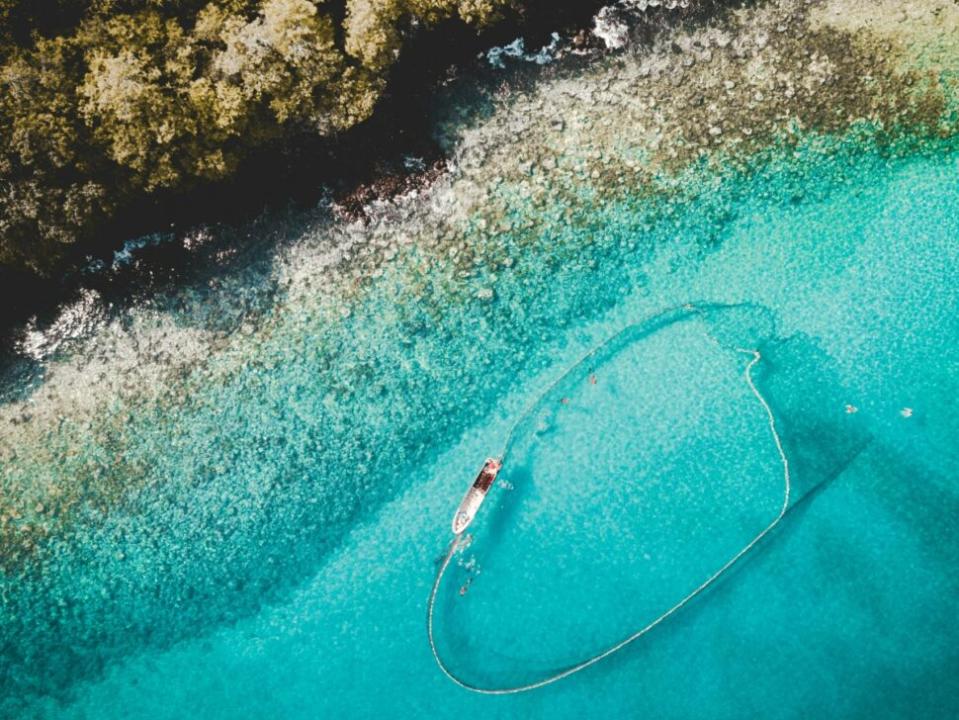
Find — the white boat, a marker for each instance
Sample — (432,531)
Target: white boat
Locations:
(475,495)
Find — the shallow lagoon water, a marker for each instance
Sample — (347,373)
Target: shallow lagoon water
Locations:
(847,610)
(228,500)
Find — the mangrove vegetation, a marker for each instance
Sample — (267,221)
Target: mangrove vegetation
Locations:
(105,103)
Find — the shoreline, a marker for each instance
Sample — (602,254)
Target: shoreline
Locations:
(366,161)
(458,92)
(366,164)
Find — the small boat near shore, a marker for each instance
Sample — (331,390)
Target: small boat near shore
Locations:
(475,495)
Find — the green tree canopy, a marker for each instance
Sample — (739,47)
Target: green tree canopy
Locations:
(105,101)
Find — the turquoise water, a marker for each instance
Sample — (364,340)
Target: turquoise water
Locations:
(281,567)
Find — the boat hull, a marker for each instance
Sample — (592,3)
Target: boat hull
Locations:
(470,505)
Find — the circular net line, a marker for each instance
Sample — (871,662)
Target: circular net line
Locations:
(627,336)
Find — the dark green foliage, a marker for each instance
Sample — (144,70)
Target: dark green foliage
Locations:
(103,102)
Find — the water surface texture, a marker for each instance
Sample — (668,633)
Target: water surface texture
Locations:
(229,501)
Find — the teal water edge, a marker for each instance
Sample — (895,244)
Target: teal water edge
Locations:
(272,546)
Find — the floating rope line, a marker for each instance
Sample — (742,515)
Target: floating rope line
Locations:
(755,358)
